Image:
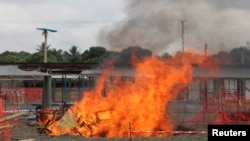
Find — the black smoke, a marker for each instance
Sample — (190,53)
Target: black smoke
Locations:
(156,25)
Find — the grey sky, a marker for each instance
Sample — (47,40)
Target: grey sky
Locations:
(87,23)
(241,4)
(77,22)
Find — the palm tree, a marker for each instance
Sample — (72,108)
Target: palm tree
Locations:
(40,48)
(58,54)
(73,55)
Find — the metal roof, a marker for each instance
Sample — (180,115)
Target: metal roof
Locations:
(13,72)
(220,72)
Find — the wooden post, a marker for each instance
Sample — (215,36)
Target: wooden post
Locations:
(130,132)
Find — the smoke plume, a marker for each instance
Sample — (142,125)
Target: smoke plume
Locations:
(156,25)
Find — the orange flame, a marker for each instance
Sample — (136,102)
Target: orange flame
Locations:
(141,102)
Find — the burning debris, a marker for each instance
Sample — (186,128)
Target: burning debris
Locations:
(69,122)
(141,102)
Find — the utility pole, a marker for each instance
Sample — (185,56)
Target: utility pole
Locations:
(46,99)
(182,34)
(205,50)
(242,57)
(45,33)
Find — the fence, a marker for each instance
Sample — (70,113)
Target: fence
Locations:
(21,95)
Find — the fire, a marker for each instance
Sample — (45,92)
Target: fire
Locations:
(141,103)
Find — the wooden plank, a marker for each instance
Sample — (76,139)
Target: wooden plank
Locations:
(9,117)
(5,127)
(27,140)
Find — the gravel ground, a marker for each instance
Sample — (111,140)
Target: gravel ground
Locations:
(24,131)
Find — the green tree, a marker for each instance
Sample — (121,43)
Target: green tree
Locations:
(10,58)
(13,57)
(131,54)
(23,55)
(36,57)
(94,55)
(57,55)
(73,55)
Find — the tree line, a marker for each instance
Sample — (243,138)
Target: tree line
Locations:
(95,54)
(99,54)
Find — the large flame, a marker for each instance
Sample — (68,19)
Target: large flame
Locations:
(140,103)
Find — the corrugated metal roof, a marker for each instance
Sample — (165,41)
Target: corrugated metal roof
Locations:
(119,72)
(13,72)
(221,72)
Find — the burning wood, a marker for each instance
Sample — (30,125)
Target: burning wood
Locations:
(82,124)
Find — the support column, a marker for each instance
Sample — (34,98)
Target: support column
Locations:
(92,82)
(53,90)
(68,90)
(80,86)
(64,83)
(219,90)
(47,92)
(205,93)
(241,90)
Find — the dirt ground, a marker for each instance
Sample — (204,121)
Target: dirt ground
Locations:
(25,132)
